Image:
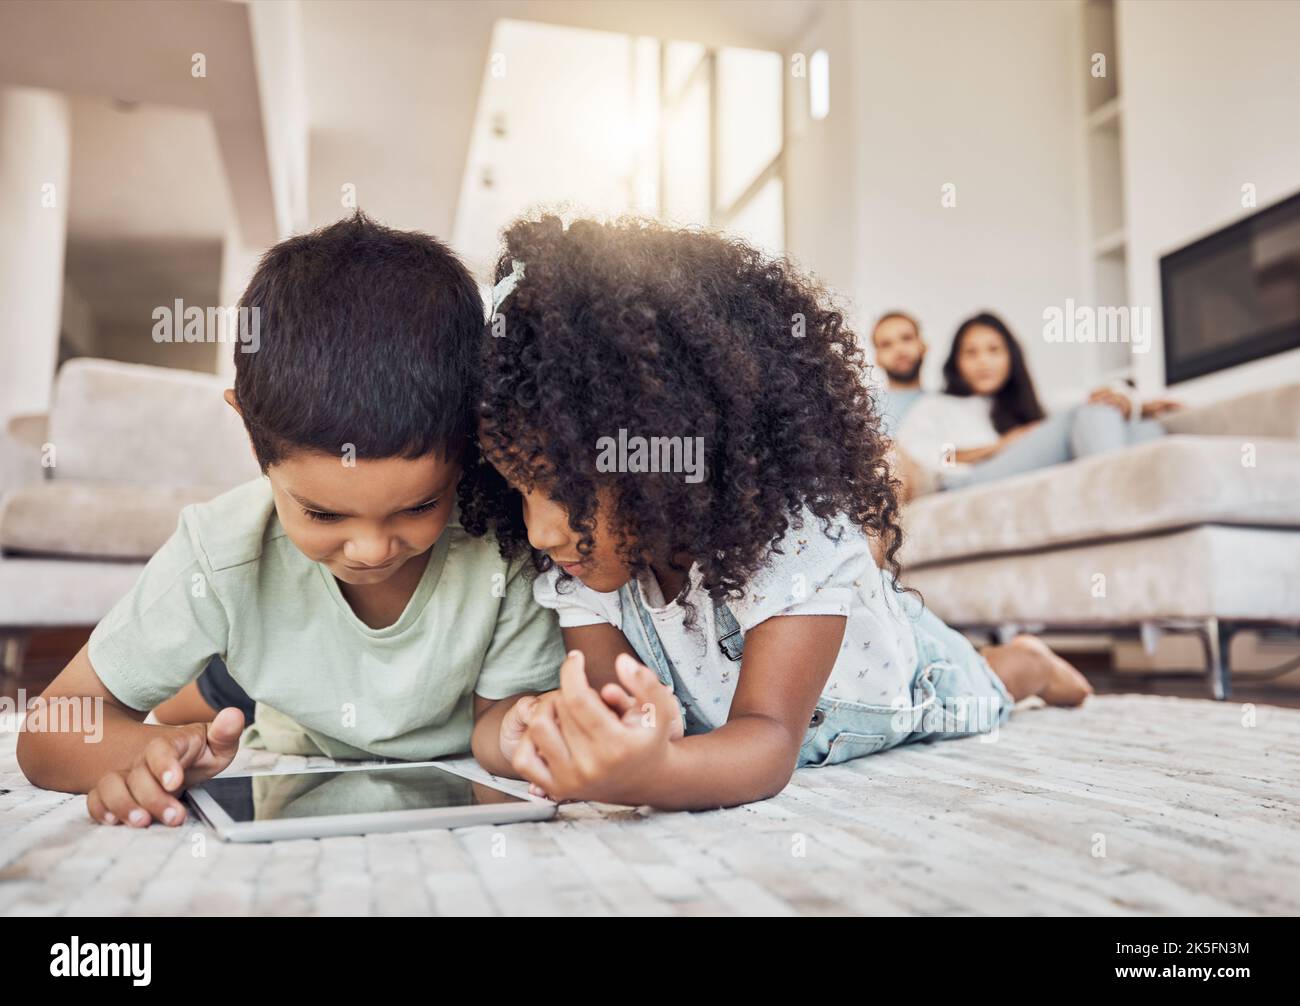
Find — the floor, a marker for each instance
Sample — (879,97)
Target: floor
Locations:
(1132,805)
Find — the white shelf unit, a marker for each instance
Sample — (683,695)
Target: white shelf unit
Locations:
(1103,141)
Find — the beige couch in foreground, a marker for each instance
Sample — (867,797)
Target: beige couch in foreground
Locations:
(127,446)
(1196,531)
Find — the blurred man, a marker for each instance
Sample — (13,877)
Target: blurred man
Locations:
(900,351)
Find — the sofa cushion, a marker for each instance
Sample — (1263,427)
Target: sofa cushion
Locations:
(66,518)
(130,424)
(1175,481)
(1268,412)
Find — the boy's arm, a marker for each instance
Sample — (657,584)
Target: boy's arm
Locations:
(112,737)
(73,761)
(485,741)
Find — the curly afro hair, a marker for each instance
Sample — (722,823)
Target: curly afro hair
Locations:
(667,332)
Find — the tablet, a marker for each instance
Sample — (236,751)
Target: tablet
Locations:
(356,800)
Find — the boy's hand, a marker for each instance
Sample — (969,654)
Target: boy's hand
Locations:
(515,723)
(588,748)
(179,757)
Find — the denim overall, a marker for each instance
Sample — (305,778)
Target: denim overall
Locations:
(954,692)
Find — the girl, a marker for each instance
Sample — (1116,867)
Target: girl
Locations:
(990,421)
(725,624)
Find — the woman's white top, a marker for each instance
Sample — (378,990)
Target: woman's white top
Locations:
(819,573)
(939,425)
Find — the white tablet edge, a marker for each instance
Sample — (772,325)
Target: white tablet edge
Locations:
(346,824)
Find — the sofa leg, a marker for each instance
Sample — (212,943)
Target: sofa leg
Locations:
(13,648)
(1217,637)
(1006,631)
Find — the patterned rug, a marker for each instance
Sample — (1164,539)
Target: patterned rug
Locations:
(1133,805)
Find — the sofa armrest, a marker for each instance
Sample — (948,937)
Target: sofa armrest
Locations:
(1273,412)
(20,464)
(132,424)
(32,429)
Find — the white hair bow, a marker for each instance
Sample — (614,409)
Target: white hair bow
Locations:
(506,286)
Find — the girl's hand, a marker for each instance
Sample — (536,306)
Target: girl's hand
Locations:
(577,747)
(615,696)
(631,710)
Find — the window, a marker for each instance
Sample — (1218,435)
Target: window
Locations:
(587,122)
(723,138)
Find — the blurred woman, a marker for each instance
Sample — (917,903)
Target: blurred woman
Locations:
(988,423)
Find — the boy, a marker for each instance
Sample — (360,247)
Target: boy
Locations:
(340,589)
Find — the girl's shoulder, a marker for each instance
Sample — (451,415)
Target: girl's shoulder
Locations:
(811,539)
(817,567)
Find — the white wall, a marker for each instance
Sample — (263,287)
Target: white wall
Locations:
(238,263)
(282,88)
(78,321)
(822,186)
(983,96)
(1211,97)
(35,139)
(391,92)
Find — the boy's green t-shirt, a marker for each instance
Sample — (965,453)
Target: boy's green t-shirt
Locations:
(230,583)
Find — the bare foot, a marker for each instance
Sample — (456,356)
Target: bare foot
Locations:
(1027,666)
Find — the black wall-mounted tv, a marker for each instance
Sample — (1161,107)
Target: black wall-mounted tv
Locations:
(1233,296)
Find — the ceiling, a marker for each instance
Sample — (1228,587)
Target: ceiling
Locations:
(164,162)
(143,51)
(393,86)
(141,171)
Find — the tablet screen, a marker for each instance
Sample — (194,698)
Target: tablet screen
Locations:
(280,796)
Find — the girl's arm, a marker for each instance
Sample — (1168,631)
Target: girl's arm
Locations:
(600,645)
(495,720)
(785,667)
(752,756)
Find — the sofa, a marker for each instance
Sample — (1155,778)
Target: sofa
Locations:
(1196,531)
(87,495)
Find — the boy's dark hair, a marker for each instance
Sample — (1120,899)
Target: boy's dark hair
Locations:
(664,332)
(367,336)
